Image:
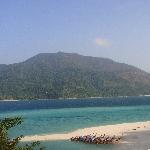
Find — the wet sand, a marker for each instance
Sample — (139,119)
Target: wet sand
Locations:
(135,141)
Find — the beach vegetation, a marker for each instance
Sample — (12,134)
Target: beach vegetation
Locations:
(7,143)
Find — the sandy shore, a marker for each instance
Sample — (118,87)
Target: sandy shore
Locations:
(118,130)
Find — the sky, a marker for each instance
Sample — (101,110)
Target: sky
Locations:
(116,29)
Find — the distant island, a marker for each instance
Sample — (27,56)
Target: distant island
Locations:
(69,75)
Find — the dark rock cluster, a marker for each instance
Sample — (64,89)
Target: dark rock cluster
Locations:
(93,139)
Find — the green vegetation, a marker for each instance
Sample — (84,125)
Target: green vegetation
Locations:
(66,75)
(12,144)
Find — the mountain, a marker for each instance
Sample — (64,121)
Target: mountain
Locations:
(69,75)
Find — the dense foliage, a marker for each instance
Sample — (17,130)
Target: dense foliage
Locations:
(64,75)
(12,144)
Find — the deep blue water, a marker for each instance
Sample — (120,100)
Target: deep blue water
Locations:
(55,116)
(74,103)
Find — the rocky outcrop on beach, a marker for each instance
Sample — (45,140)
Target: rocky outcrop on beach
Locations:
(93,139)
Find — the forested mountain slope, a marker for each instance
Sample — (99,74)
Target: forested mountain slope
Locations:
(69,75)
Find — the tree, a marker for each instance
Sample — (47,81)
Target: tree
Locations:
(12,144)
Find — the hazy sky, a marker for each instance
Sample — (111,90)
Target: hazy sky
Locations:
(117,29)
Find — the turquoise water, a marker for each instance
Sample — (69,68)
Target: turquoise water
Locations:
(50,120)
(68,119)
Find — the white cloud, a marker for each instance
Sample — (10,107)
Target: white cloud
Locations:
(102,42)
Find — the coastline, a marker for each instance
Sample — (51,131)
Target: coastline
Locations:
(73,98)
(9,100)
(117,130)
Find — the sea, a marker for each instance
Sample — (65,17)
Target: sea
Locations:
(66,115)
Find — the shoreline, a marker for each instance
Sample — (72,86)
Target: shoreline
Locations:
(74,98)
(9,100)
(111,130)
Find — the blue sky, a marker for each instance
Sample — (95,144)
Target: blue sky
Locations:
(116,29)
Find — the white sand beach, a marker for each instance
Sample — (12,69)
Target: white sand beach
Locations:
(9,100)
(117,130)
